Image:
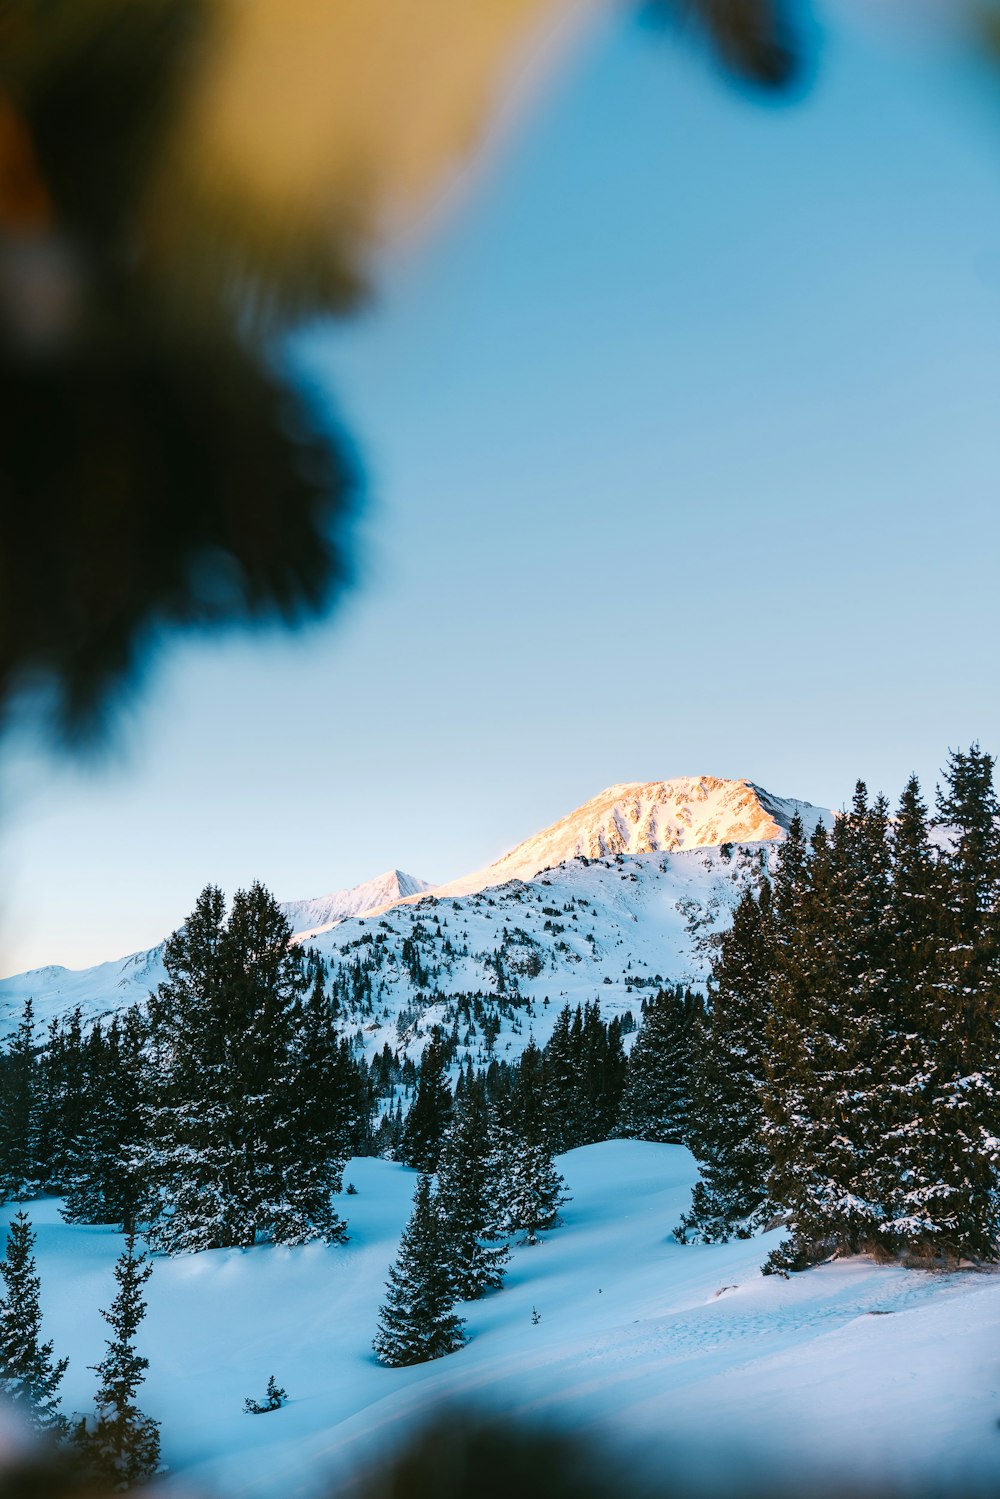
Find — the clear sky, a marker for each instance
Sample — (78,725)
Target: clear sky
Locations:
(683,453)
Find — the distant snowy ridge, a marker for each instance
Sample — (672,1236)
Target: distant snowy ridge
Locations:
(622,890)
(309,917)
(111,986)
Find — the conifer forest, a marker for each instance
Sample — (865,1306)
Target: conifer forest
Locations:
(834,1077)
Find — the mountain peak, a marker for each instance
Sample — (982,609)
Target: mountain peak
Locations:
(648,817)
(308,917)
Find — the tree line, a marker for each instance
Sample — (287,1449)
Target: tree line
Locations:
(846,1075)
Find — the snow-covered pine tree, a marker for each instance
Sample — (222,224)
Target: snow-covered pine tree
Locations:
(731,1198)
(121,1446)
(601,1068)
(825,1101)
(468,1197)
(656,1101)
(534,1190)
(19,1111)
(968,1048)
(430,1111)
(306,1167)
(223,1137)
(417,1321)
(101,1161)
(29,1376)
(61,1107)
(561,1083)
(274,1398)
(937,1176)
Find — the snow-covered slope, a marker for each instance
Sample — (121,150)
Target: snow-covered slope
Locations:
(610,901)
(648,817)
(875,1378)
(611,929)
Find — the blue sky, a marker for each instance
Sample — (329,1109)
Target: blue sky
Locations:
(681,442)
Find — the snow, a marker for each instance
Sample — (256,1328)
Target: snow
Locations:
(641,1341)
(690,815)
(645,817)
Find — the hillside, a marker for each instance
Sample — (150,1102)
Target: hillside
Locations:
(609,902)
(871,1373)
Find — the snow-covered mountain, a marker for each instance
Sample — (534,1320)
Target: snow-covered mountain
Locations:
(647,817)
(609,902)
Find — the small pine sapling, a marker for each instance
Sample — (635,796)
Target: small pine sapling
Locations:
(274,1398)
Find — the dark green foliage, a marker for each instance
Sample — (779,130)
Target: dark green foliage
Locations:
(274,1398)
(825,1102)
(430,1111)
(417,1321)
(468,1197)
(101,1152)
(20,1099)
(583,1077)
(656,1101)
(236,1148)
(855,1006)
(729,1072)
(29,1376)
(230,495)
(121,1446)
(533,1190)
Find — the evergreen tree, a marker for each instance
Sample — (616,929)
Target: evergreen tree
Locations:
(937,1168)
(308,1153)
(561,1083)
(430,1111)
(534,1190)
(121,1446)
(19,1112)
(468,1196)
(61,1099)
(731,1195)
(656,1101)
(229,1150)
(825,1105)
(417,1321)
(29,1377)
(274,1398)
(526,1111)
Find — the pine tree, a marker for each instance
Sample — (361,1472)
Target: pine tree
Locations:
(937,1176)
(417,1321)
(121,1446)
(967,1050)
(731,1196)
(561,1083)
(29,1377)
(308,1152)
(61,1099)
(274,1398)
(656,1101)
(430,1111)
(534,1190)
(825,1103)
(19,1112)
(467,1198)
(231,1147)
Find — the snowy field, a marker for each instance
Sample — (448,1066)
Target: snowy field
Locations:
(866,1372)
